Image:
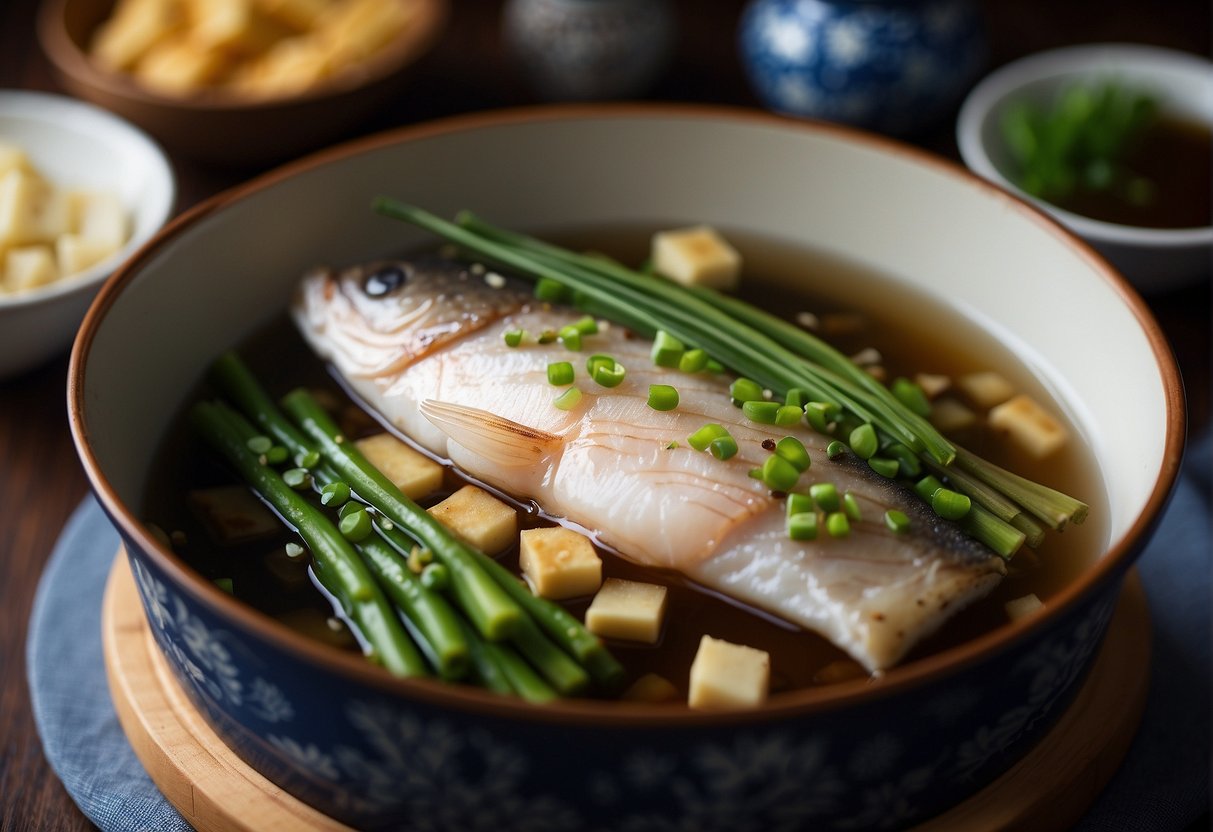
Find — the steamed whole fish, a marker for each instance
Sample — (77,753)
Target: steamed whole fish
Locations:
(422,342)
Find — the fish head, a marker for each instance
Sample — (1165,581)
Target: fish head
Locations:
(376,319)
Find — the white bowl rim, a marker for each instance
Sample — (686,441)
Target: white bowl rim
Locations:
(1071,61)
(47,107)
(1109,569)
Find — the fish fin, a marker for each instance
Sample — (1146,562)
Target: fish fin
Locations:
(499,440)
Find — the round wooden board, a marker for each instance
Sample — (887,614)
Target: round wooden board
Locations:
(216,791)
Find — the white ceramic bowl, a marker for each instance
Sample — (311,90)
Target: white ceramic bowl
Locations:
(374,750)
(77,145)
(1153,259)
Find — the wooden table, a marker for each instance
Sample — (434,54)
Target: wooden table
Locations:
(40,478)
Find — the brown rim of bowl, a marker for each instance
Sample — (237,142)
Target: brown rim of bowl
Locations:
(1110,567)
(70,58)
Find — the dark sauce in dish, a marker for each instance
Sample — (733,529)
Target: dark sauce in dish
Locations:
(904,327)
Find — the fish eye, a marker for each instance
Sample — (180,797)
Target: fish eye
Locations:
(384,280)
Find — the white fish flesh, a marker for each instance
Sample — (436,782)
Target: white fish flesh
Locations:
(422,342)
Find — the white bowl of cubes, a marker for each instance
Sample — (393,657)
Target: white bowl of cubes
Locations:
(80,189)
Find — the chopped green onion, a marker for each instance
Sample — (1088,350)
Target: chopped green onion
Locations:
(667,350)
(307,459)
(754,473)
(513,337)
(693,361)
(760,411)
(552,291)
(277,455)
(793,450)
(598,359)
(799,503)
(714,366)
(547,336)
(907,461)
(260,444)
(336,494)
(435,576)
(863,441)
(568,399)
(825,494)
(297,478)
(887,468)
(672,445)
(779,474)
(897,521)
(803,526)
(723,447)
(744,390)
(950,505)
(570,336)
(662,397)
(837,524)
(821,414)
(835,449)
(560,373)
(608,376)
(788,415)
(927,486)
(850,506)
(700,439)
(796,398)
(349,508)
(355,526)
(912,396)
(586,325)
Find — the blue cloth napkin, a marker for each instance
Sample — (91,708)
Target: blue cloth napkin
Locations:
(1163,785)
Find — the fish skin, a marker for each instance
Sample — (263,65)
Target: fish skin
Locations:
(605,465)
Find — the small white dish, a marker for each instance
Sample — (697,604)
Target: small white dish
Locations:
(1153,259)
(74,144)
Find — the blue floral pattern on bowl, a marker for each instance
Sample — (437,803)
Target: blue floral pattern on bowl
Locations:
(894,67)
(378,761)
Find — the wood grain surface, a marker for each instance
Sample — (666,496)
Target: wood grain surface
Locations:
(40,478)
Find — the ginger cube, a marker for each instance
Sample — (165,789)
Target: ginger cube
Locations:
(12,157)
(23,195)
(985,389)
(726,675)
(99,216)
(651,688)
(949,415)
(627,610)
(478,517)
(413,473)
(76,253)
(559,562)
(29,267)
(1023,607)
(232,515)
(696,256)
(1029,425)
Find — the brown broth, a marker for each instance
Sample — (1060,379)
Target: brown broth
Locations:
(904,327)
(1176,157)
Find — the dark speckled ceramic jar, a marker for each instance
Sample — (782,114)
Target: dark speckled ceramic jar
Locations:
(383,753)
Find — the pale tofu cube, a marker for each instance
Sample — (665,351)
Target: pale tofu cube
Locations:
(933,384)
(99,216)
(413,473)
(133,29)
(178,66)
(650,688)
(479,518)
(949,416)
(696,256)
(1029,425)
(29,267)
(727,675)
(57,216)
(559,562)
(12,157)
(1023,607)
(75,253)
(23,195)
(986,388)
(233,515)
(628,610)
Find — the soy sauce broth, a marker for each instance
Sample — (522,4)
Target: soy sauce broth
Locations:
(904,327)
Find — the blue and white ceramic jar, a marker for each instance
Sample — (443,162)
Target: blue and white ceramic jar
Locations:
(888,65)
(589,49)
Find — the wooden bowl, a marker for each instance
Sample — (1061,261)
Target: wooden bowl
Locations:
(220,126)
